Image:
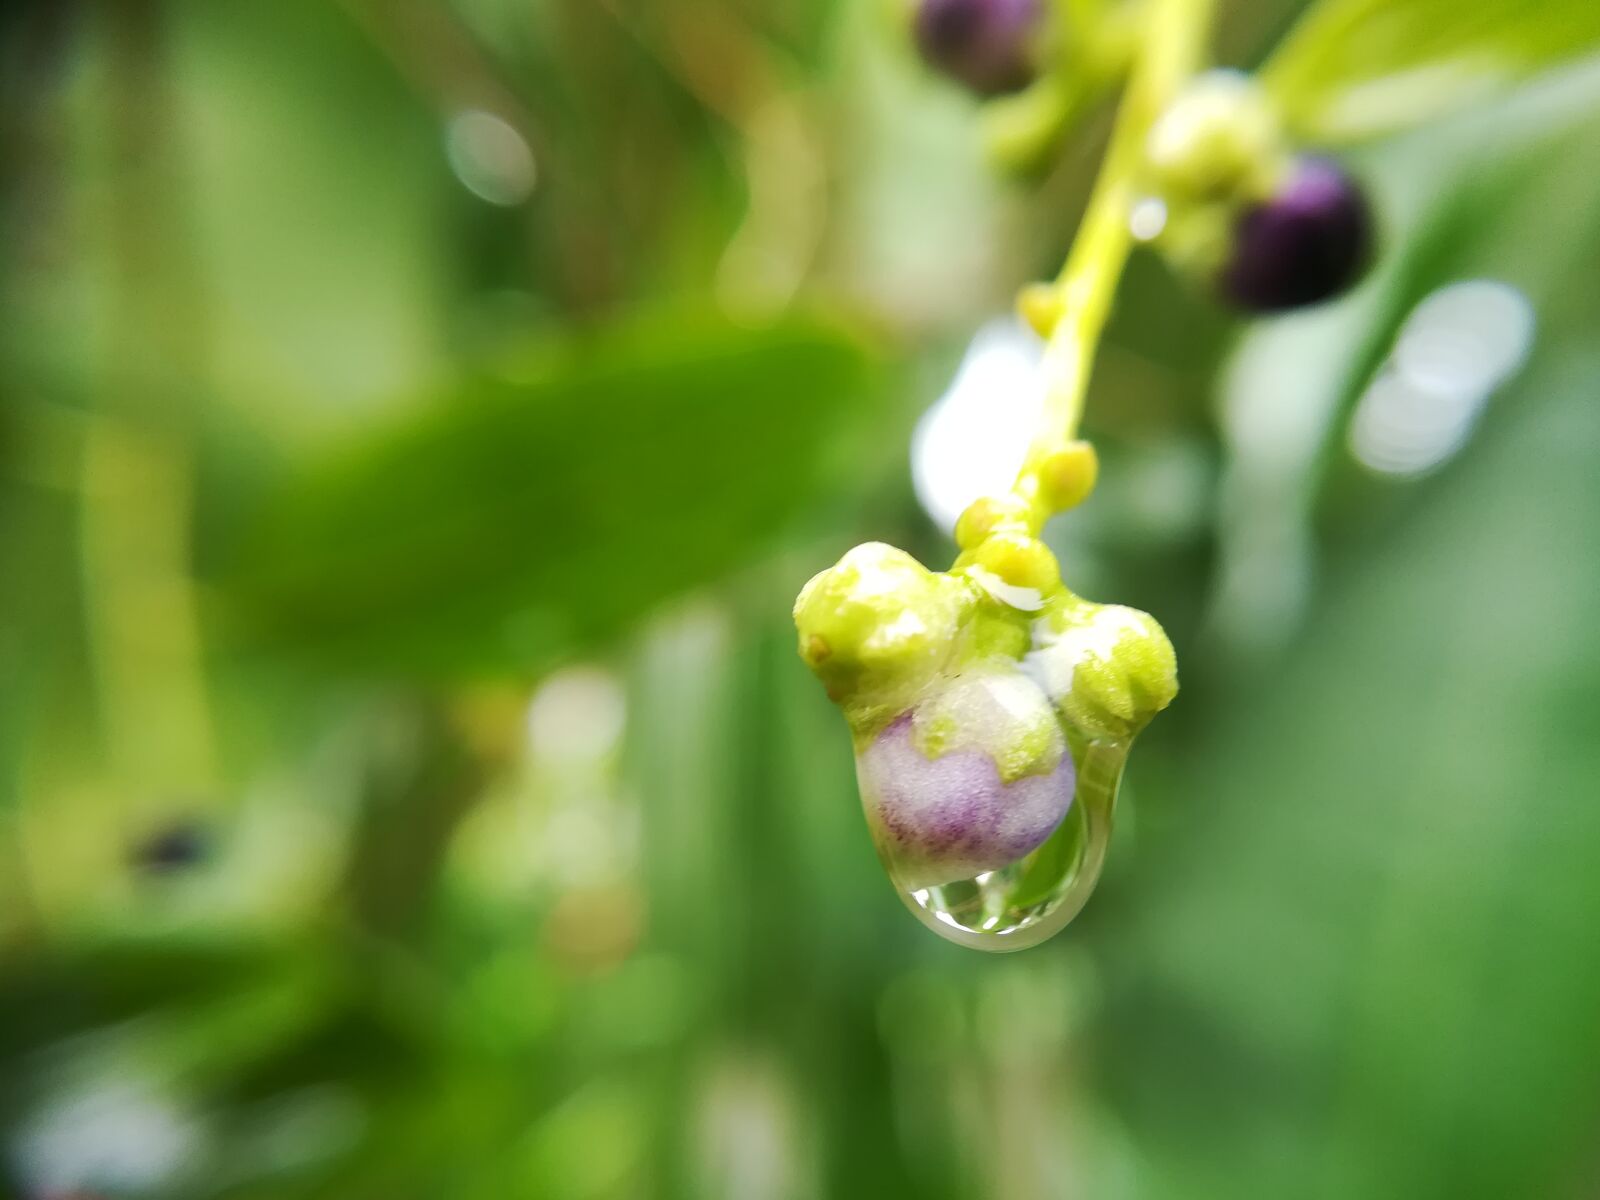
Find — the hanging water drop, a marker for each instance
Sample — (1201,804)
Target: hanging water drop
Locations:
(1028,898)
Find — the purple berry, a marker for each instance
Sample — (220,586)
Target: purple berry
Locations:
(1306,244)
(941,819)
(982,43)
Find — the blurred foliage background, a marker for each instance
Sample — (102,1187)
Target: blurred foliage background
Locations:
(416,418)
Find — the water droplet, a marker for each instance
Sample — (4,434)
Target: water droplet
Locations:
(984,862)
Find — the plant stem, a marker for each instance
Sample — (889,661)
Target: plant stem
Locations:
(1174,44)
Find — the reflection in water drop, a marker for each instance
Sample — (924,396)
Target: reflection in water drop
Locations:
(1022,901)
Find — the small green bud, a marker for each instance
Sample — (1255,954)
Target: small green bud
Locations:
(989,514)
(1198,239)
(1068,475)
(1108,668)
(1039,304)
(1219,141)
(877,626)
(1017,559)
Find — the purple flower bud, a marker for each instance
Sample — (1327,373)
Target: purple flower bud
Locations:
(1306,244)
(982,43)
(937,820)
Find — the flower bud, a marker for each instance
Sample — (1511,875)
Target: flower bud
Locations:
(1306,244)
(1108,668)
(1068,475)
(985,44)
(987,514)
(876,626)
(1039,304)
(1220,140)
(974,779)
(1016,560)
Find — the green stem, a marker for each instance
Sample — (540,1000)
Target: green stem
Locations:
(1080,298)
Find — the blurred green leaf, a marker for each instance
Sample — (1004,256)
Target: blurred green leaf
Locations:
(1380,899)
(345,167)
(1353,69)
(519,519)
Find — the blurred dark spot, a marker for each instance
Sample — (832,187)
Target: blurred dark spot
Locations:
(35,36)
(176,847)
(986,44)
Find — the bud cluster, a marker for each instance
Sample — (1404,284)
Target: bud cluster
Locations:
(967,691)
(1273,230)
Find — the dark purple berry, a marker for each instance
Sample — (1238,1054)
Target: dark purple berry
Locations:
(983,43)
(1306,244)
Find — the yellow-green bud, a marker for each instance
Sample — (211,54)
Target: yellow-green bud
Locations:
(1108,668)
(988,514)
(1068,475)
(1039,304)
(877,625)
(1018,559)
(1219,141)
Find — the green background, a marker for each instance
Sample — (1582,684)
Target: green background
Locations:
(316,468)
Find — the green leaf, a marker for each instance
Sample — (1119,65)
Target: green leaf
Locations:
(1354,69)
(519,519)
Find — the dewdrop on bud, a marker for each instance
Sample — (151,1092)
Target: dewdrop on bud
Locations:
(967,775)
(975,778)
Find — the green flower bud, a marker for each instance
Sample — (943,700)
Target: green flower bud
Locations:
(989,514)
(1220,140)
(1019,563)
(876,627)
(1108,668)
(1068,475)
